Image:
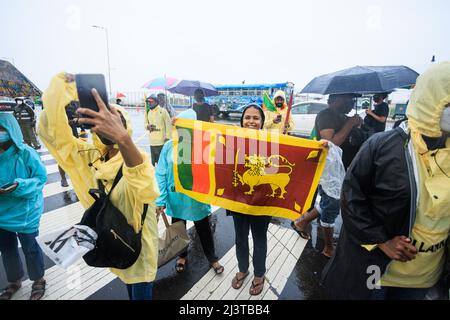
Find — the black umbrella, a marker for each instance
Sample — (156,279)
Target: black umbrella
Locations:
(363,80)
(188,87)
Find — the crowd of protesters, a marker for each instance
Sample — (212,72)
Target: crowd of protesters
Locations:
(394,197)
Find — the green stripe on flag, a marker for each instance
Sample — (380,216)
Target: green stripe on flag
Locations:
(185,144)
(268,104)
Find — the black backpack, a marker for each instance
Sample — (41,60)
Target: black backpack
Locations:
(117,245)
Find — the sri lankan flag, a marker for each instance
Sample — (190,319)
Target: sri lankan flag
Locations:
(268,103)
(249,171)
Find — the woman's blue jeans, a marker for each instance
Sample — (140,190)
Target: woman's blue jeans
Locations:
(11,258)
(140,291)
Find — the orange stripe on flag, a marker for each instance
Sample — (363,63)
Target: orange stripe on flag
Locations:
(200,159)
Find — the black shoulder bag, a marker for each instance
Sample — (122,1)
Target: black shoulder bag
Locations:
(117,245)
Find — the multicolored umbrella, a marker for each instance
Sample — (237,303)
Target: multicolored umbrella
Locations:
(161,83)
(14,84)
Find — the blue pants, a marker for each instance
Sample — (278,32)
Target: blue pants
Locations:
(140,291)
(395,293)
(11,259)
(259,226)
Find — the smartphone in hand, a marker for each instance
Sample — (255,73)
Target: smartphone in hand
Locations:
(8,187)
(277,118)
(85,83)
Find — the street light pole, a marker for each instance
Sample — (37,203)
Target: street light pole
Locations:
(107,54)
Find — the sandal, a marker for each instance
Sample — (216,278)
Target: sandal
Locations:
(10,290)
(257,288)
(180,267)
(219,269)
(237,282)
(303,234)
(38,289)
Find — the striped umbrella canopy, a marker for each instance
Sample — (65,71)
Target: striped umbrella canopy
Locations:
(161,83)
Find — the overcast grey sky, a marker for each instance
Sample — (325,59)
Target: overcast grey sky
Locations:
(220,41)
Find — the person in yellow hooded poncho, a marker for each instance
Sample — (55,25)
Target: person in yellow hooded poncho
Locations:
(395,205)
(87,163)
(275,121)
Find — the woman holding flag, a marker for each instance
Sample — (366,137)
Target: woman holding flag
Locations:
(252,118)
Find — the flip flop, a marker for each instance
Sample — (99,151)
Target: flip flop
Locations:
(237,282)
(38,289)
(257,288)
(180,267)
(303,234)
(219,269)
(9,291)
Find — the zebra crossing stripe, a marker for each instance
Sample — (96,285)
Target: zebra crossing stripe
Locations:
(284,250)
(81,281)
(53,188)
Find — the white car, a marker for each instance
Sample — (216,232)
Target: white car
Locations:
(304,115)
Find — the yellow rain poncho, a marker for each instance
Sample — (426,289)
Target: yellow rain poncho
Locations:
(270,116)
(82,161)
(432,224)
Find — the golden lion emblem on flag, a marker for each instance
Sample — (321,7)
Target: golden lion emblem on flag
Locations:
(259,173)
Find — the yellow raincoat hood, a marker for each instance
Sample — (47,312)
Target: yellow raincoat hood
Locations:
(83,163)
(280,93)
(427,102)
(431,227)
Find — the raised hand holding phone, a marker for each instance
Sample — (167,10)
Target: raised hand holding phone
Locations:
(106,122)
(85,83)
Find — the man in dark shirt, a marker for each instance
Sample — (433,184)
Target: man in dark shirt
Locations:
(202,109)
(376,119)
(333,125)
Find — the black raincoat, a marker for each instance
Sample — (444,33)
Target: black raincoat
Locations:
(375,206)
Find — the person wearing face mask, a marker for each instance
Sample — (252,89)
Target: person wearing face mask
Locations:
(376,119)
(22,178)
(275,121)
(27,120)
(157,122)
(252,118)
(89,164)
(395,205)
